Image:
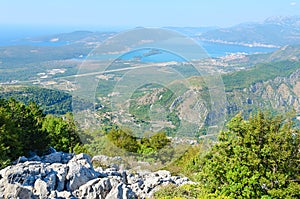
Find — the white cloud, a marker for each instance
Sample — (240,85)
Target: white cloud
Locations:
(293,3)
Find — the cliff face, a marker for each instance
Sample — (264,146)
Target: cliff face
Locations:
(281,94)
(267,87)
(64,175)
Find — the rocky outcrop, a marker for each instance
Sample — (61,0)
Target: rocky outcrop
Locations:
(64,175)
(281,94)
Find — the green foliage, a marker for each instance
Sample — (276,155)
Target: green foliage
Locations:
(254,158)
(25,130)
(9,142)
(157,141)
(173,117)
(27,122)
(100,144)
(145,149)
(51,101)
(123,139)
(62,132)
(149,148)
(20,131)
(188,163)
(80,148)
(260,72)
(140,112)
(185,191)
(105,87)
(166,97)
(154,147)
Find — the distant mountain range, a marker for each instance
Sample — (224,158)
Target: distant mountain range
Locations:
(274,31)
(277,31)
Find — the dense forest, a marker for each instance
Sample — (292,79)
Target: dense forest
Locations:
(51,101)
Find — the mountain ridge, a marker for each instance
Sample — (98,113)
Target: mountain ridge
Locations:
(273,31)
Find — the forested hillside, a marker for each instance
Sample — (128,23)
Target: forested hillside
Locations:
(51,101)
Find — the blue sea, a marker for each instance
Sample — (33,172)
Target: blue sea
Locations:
(220,49)
(22,36)
(212,49)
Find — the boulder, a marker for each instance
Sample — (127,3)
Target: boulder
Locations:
(40,189)
(80,172)
(17,191)
(21,159)
(83,159)
(50,180)
(53,158)
(121,191)
(181,181)
(97,188)
(57,157)
(108,162)
(65,195)
(162,174)
(61,171)
(35,158)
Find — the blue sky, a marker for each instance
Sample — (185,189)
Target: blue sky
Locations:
(132,13)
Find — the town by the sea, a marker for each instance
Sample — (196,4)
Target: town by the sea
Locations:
(27,36)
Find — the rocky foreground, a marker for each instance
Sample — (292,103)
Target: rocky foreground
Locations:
(65,175)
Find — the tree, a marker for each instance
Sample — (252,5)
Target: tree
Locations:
(254,158)
(62,132)
(10,147)
(27,123)
(156,141)
(20,131)
(159,140)
(26,131)
(123,139)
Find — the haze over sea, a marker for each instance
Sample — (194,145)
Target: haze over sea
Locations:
(21,36)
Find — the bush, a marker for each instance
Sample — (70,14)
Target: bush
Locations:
(255,158)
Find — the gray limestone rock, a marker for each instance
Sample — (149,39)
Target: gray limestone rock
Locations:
(80,172)
(65,175)
(121,191)
(40,189)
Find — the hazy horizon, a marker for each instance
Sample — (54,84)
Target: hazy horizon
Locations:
(21,31)
(91,14)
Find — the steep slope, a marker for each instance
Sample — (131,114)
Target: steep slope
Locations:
(267,86)
(279,94)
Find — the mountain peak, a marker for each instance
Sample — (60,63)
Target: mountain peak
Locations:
(284,20)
